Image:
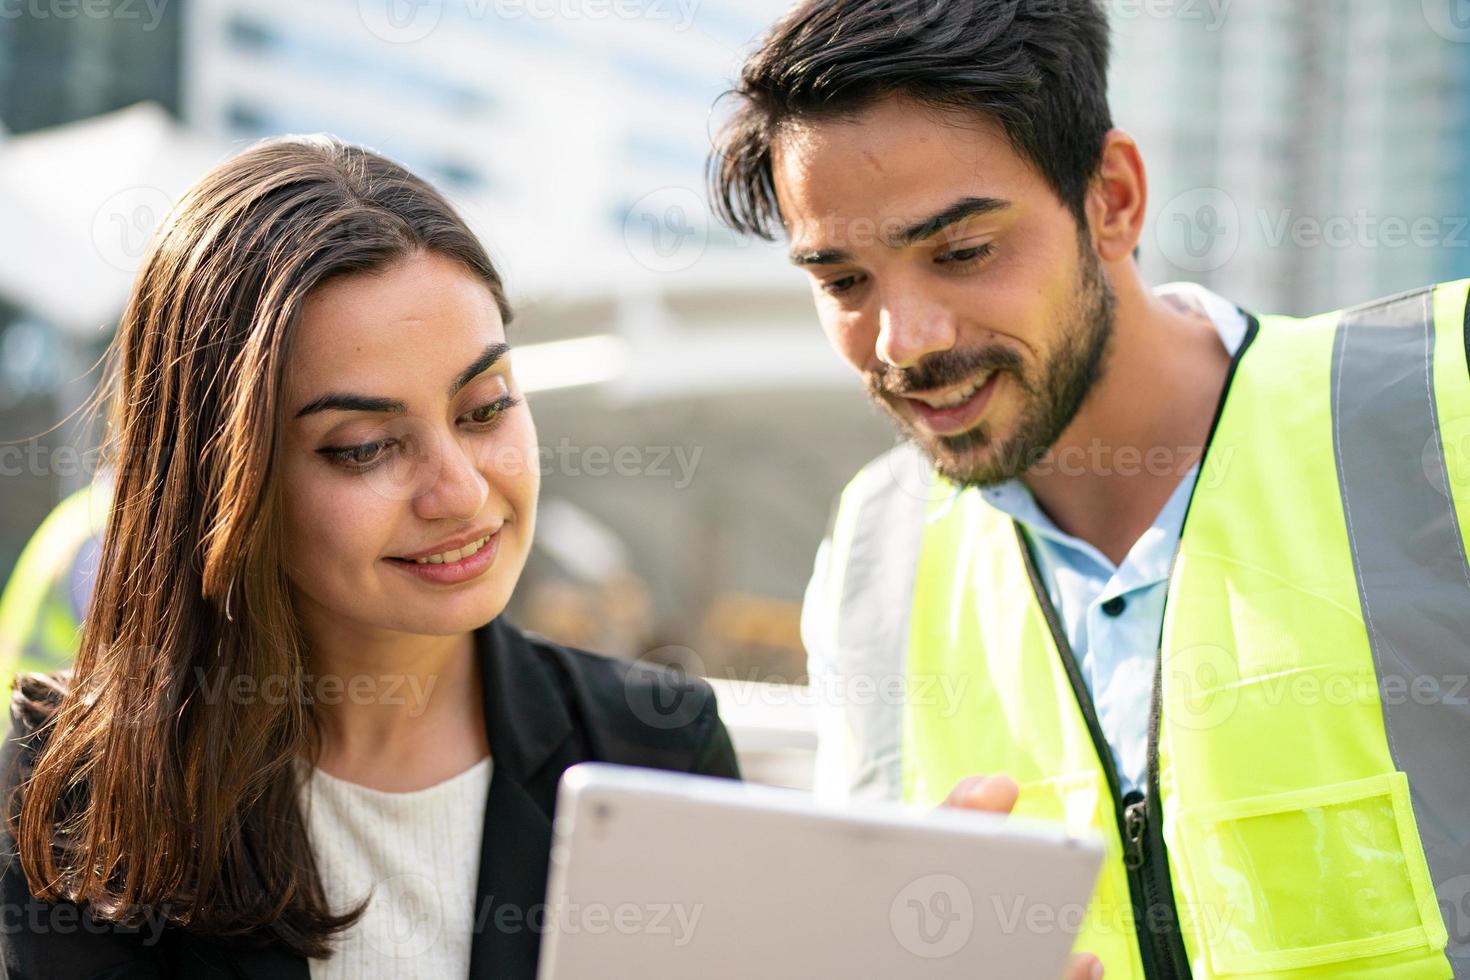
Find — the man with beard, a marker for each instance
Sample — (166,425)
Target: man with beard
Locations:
(1173,574)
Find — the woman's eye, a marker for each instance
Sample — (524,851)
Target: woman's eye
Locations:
(488,413)
(359,457)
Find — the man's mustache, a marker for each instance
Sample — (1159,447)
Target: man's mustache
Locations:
(941,370)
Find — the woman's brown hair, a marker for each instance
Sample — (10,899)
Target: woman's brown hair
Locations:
(157,794)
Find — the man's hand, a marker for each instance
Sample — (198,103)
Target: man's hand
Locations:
(997,794)
(992,794)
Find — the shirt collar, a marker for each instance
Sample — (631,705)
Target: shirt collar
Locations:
(1152,555)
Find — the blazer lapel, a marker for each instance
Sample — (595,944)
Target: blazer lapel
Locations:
(529,730)
(512,889)
(271,964)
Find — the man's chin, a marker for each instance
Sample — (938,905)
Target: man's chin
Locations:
(974,458)
(966,460)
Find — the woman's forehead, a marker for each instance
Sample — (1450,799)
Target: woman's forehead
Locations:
(418,315)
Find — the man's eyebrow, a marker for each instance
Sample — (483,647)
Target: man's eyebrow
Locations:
(825,256)
(968,207)
(365,403)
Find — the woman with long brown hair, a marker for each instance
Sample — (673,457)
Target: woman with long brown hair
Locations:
(298,739)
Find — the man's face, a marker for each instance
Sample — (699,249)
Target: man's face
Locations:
(950,276)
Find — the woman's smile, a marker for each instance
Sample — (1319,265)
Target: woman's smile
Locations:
(455,565)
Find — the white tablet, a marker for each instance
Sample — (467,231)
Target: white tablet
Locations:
(664,876)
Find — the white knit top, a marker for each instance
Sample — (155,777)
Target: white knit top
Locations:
(421,850)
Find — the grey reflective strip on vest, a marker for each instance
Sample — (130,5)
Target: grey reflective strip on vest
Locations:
(1413,579)
(873,616)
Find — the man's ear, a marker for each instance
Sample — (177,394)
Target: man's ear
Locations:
(1118,198)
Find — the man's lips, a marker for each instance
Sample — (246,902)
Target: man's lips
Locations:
(955,409)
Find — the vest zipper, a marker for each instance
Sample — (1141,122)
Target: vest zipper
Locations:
(1135,825)
(1140,814)
(1156,920)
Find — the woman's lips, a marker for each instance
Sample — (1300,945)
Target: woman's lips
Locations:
(952,420)
(452,573)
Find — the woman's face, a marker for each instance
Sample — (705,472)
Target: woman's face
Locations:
(405,437)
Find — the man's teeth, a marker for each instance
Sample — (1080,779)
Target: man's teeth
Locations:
(455,555)
(957,397)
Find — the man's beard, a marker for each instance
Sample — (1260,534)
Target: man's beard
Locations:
(1049,402)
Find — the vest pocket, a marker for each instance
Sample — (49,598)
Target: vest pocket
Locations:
(1310,877)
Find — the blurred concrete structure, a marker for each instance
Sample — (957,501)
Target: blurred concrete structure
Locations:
(773,728)
(81,202)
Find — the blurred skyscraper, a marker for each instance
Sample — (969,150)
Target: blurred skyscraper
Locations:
(574,124)
(60,62)
(1303,156)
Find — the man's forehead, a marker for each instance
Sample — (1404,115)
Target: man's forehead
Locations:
(842,173)
(883,131)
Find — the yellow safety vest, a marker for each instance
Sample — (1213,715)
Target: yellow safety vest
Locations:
(1307,805)
(42,607)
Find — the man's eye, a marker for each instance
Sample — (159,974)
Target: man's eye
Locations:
(962,255)
(839,286)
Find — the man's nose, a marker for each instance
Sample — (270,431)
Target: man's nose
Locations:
(910,329)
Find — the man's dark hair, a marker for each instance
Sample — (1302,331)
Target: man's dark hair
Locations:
(1037,67)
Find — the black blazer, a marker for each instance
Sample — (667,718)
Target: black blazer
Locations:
(547,707)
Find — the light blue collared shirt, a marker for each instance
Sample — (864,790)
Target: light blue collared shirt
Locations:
(1113,614)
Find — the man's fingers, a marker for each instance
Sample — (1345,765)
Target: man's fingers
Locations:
(993,794)
(997,794)
(1084,966)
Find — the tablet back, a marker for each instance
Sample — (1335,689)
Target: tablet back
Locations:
(663,876)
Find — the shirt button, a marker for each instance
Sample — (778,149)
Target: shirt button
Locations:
(1115,606)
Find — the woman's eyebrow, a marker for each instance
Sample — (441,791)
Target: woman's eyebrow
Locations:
(486,360)
(352,403)
(366,403)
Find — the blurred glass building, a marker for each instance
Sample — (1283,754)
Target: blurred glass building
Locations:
(1304,156)
(63,62)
